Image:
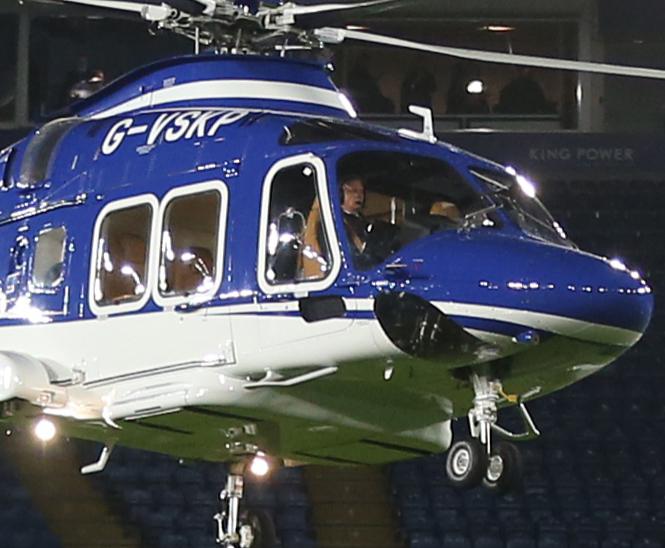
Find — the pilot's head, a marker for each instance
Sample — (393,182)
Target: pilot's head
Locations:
(353,194)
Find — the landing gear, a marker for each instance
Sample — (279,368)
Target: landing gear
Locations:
(504,469)
(238,528)
(466,464)
(498,467)
(231,532)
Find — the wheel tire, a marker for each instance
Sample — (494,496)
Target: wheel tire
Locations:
(466,464)
(262,526)
(504,469)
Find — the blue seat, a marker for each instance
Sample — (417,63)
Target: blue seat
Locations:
(616,543)
(297,539)
(292,518)
(648,542)
(171,540)
(520,540)
(264,497)
(423,540)
(412,496)
(418,520)
(486,541)
(445,498)
(456,540)
(292,496)
(552,540)
(290,476)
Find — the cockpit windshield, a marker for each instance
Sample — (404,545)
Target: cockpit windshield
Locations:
(516,195)
(391,199)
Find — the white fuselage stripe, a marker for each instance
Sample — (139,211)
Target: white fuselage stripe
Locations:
(230,89)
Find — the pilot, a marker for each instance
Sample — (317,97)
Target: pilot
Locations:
(353,200)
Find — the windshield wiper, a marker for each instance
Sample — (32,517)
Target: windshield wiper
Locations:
(470,219)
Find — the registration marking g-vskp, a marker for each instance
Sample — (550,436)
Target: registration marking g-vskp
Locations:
(172,126)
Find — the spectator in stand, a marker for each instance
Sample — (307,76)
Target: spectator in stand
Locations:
(417,89)
(365,91)
(524,95)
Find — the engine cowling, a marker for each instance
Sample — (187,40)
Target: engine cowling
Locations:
(27,378)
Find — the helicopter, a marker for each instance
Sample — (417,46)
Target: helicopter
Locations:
(183,276)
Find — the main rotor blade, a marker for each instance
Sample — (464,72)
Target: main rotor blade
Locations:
(119,5)
(494,57)
(296,9)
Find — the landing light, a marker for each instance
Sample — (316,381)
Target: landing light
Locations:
(45,430)
(260,466)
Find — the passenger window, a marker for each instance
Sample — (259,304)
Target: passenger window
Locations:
(297,245)
(189,244)
(49,266)
(121,260)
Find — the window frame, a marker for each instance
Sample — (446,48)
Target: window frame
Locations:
(298,288)
(124,203)
(166,301)
(36,288)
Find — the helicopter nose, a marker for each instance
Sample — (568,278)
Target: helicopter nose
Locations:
(582,296)
(511,286)
(619,297)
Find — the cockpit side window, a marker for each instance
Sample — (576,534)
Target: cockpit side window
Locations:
(49,267)
(39,153)
(298,246)
(121,255)
(193,223)
(390,199)
(6,161)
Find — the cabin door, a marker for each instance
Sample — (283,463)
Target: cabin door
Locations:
(156,266)
(299,256)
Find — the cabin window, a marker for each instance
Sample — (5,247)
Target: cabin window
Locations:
(122,255)
(297,251)
(49,266)
(193,221)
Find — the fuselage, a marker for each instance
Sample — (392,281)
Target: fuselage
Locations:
(222,294)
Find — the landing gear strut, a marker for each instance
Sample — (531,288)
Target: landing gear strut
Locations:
(231,532)
(238,527)
(498,466)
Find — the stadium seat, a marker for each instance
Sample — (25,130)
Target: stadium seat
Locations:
(456,540)
(520,541)
(423,540)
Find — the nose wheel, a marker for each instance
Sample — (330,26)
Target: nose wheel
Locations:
(497,466)
(466,464)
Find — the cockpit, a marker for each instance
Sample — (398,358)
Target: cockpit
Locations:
(383,200)
(404,198)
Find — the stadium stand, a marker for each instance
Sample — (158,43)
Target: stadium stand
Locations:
(21,524)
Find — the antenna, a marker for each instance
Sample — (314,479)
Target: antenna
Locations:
(427,134)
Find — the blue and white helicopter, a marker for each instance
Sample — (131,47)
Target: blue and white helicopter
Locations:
(213,258)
